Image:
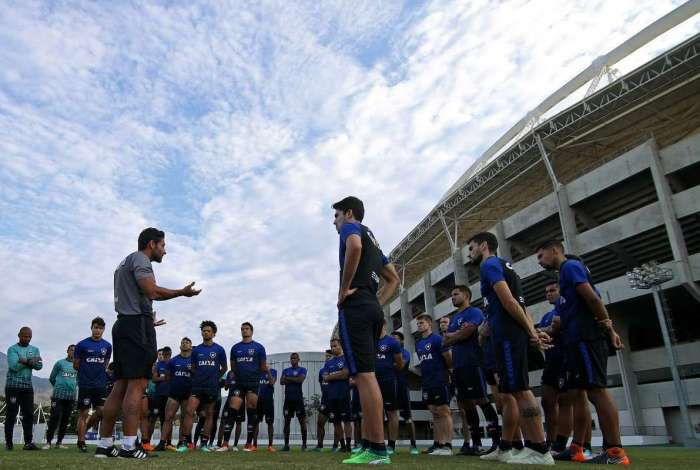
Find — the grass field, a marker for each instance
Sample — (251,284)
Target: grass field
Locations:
(649,458)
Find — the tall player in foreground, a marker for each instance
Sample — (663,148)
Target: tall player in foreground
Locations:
(360,317)
(134,340)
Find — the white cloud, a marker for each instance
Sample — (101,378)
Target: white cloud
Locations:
(235,129)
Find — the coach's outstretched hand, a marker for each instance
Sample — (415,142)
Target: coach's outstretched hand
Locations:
(190,291)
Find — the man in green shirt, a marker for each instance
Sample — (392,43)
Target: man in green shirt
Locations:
(64,380)
(22,359)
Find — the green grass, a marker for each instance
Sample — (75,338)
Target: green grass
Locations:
(649,458)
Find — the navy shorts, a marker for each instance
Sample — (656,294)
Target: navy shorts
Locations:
(511,359)
(294,407)
(389,396)
(339,410)
(470,382)
(91,397)
(436,396)
(587,365)
(266,410)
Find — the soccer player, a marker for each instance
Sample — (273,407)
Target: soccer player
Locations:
(208,364)
(248,361)
(469,379)
(22,359)
(91,359)
(337,374)
(389,362)
(435,363)
(360,316)
(292,378)
(323,409)
(229,418)
(63,378)
(266,406)
(586,329)
(512,332)
(403,393)
(178,376)
(134,339)
(160,398)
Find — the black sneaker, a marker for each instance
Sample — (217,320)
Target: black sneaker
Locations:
(9,446)
(429,449)
(605,458)
(106,452)
(82,447)
(30,446)
(488,451)
(161,447)
(303,448)
(469,451)
(564,455)
(136,453)
(285,448)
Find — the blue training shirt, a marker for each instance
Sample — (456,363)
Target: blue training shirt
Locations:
(577,321)
(384,362)
(162,388)
(248,357)
(206,363)
(180,371)
(337,389)
(293,391)
(502,324)
(466,353)
(433,367)
(94,357)
(266,390)
(323,385)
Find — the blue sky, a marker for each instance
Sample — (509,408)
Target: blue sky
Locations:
(234,125)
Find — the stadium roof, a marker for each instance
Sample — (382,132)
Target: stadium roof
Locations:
(662,97)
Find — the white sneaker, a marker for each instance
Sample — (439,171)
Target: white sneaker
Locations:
(62,446)
(441,451)
(46,447)
(223,448)
(492,456)
(528,456)
(507,455)
(234,449)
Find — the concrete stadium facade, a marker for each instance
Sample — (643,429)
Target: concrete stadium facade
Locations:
(621,189)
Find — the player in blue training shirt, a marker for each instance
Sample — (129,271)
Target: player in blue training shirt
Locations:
(389,362)
(292,378)
(90,359)
(229,417)
(435,362)
(512,332)
(586,329)
(178,375)
(360,316)
(208,364)
(337,375)
(462,335)
(160,397)
(266,406)
(248,362)
(403,392)
(323,409)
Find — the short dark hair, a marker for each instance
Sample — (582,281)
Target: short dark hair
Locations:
(487,237)
(351,203)
(245,323)
(557,244)
(97,321)
(399,334)
(70,346)
(167,350)
(186,339)
(150,234)
(160,350)
(294,354)
(425,316)
(334,340)
(206,323)
(465,289)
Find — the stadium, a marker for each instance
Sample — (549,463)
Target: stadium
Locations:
(616,176)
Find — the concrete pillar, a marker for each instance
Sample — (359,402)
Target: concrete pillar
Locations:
(504,246)
(406,317)
(567,220)
(460,269)
(629,379)
(429,299)
(673,228)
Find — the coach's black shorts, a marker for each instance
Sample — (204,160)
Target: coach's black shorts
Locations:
(339,410)
(389,397)
(403,397)
(470,383)
(360,326)
(511,360)
(206,395)
(240,390)
(554,373)
(436,396)
(180,396)
(134,345)
(91,397)
(266,410)
(587,365)
(157,406)
(294,407)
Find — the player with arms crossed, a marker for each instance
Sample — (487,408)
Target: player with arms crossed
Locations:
(292,378)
